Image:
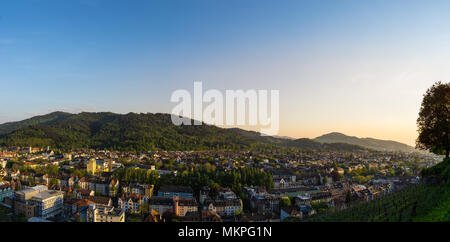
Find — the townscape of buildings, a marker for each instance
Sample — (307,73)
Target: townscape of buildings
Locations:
(81,185)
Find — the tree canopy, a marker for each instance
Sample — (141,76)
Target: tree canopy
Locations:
(434,120)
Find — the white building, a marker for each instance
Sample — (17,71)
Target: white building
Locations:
(3,163)
(102,213)
(48,203)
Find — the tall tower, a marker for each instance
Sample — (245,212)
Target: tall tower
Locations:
(92,166)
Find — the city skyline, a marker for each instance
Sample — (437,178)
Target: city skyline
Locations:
(356,68)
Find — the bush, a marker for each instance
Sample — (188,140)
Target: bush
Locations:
(439,173)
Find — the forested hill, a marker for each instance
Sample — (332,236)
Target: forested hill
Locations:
(371,143)
(140,132)
(44,119)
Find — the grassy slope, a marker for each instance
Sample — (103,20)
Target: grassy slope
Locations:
(441,210)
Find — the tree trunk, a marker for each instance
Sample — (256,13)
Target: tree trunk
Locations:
(447,153)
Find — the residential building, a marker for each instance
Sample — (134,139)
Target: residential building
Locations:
(184,205)
(160,204)
(131,203)
(102,213)
(143,190)
(228,207)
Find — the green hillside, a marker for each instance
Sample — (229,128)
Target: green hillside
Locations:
(140,132)
(44,119)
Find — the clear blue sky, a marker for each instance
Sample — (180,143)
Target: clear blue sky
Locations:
(358,67)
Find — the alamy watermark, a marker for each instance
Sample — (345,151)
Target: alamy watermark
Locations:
(235,108)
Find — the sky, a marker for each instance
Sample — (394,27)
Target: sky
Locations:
(356,67)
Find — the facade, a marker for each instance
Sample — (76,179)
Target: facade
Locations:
(227,207)
(131,204)
(48,203)
(24,208)
(92,166)
(265,203)
(143,190)
(185,205)
(160,204)
(105,187)
(101,213)
(81,193)
(180,206)
(3,163)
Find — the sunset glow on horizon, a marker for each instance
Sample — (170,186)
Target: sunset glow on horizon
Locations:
(354,67)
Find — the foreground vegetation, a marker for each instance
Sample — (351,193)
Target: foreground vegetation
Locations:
(426,202)
(416,203)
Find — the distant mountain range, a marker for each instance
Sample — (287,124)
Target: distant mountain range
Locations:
(375,144)
(143,132)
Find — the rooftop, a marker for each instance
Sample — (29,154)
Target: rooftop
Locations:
(182,189)
(39,188)
(47,194)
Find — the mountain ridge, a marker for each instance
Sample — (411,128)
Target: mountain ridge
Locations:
(371,143)
(39,119)
(143,132)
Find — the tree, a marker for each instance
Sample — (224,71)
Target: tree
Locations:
(434,120)
(145,208)
(213,191)
(54,181)
(285,202)
(348,197)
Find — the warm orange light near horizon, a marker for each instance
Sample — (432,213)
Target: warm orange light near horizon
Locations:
(403,133)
